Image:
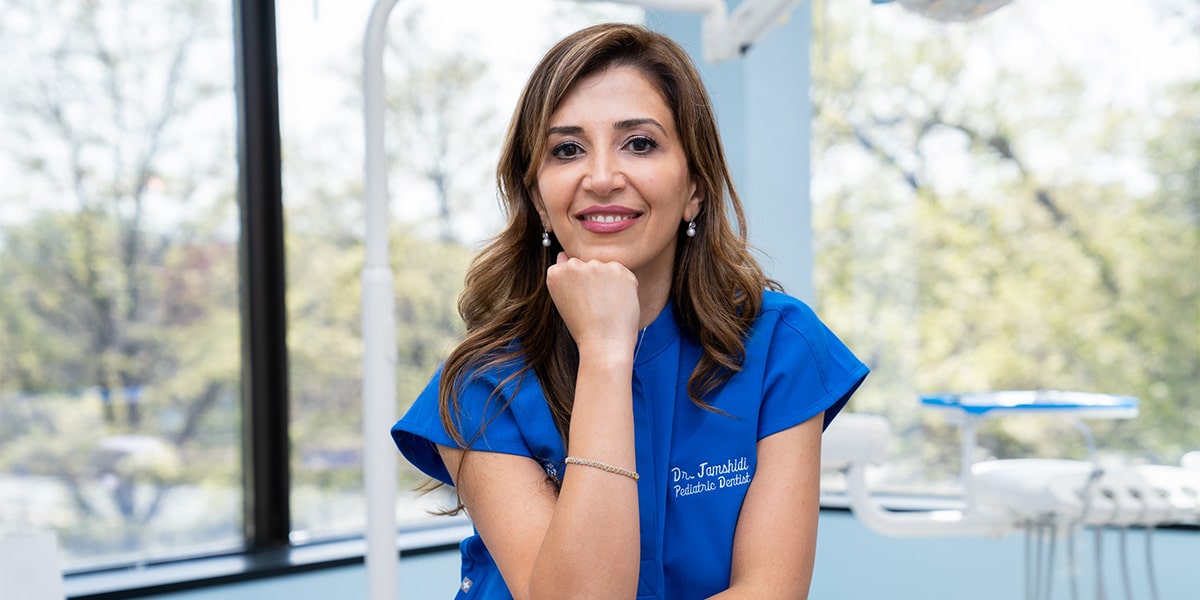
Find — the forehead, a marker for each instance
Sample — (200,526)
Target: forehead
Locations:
(616,92)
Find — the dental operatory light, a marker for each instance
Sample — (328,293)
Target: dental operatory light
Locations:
(727,35)
(954,11)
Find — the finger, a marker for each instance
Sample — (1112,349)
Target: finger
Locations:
(562,258)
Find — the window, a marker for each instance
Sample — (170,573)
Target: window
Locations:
(131,271)
(119,326)
(1011,203)
(454,71)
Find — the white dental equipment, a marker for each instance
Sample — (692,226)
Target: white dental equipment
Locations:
(1047,498)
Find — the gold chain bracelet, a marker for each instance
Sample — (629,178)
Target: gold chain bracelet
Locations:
(572,460)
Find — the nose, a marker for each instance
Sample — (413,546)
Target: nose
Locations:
(604,175)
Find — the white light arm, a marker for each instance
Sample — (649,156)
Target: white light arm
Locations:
(730,37)
(378,327)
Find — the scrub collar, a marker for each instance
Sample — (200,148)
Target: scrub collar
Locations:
(657,336)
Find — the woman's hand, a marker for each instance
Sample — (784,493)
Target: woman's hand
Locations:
(598,301)
(581,541)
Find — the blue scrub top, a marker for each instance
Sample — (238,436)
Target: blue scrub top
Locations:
(695,464)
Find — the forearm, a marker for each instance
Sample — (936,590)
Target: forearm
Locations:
(591,548)
(733,594)
(747,593)
(774,545)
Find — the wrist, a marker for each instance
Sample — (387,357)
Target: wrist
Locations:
(606,352)
(613,364)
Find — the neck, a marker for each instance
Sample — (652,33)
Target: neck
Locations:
(652,296)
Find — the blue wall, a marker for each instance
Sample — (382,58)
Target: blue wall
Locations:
(852,563)
(765,113)
(424,577)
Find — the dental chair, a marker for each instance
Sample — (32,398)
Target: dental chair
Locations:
(1047,498)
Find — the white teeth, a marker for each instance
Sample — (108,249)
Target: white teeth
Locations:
(606,218)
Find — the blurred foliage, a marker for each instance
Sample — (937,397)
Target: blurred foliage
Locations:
(957,249)
(992,213)
(119,343)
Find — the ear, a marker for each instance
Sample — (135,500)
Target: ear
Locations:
(540,207)
(692,209)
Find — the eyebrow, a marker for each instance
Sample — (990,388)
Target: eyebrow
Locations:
(631,123)
(619,126)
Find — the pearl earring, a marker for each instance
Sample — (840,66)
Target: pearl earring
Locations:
(691,230)
(546,239)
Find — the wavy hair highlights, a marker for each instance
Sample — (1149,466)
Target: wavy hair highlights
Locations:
(717,285)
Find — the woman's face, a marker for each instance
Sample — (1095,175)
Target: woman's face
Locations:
(614,183)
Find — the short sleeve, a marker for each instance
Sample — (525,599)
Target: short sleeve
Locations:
(808,371)
(485,422)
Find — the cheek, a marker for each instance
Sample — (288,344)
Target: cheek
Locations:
(680,190)
(554,202)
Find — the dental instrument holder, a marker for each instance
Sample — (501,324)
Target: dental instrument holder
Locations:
(973,407)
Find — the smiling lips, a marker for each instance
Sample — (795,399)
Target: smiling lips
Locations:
(608,220)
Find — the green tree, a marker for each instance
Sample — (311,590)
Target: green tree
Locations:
(982,236)
(118,313)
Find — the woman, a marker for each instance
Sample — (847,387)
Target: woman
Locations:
(634,412)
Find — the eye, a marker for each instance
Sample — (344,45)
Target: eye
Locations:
(566,150)
(641,144)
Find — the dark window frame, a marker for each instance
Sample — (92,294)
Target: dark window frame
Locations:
(265,447)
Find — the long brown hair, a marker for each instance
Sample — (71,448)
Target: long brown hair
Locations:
(717,285)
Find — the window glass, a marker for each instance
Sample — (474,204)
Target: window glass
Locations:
(119,327)
(454,70)
(1011,203)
